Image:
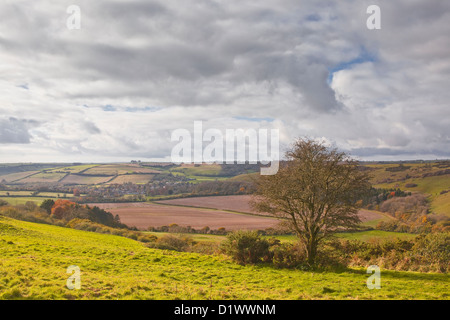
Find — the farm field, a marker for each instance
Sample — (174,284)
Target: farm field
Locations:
(133,178)
(35,258)
(22,200)
(21,197)
(431,179)
(202,170)
(12,177)
(119,169)
(78,179)
(15,193)
(143,215)
(240,203)
(74,169)
(43,178)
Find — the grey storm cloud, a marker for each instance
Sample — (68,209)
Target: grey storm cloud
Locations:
(14,130)
(312,66)
(91,128)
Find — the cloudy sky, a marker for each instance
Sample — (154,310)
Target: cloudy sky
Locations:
(115,89)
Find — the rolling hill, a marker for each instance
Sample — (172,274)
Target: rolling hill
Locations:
(35,258)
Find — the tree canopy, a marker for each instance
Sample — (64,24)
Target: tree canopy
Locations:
(315,192)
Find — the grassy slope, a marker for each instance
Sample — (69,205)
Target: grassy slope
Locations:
(430,186)
(35,257)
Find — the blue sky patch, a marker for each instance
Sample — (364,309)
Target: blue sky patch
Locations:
(254,119)
(364,56)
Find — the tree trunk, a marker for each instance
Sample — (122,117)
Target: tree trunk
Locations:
(311,251)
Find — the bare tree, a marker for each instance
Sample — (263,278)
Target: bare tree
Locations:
(315,191)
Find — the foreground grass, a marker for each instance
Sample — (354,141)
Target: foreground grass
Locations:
(34,259)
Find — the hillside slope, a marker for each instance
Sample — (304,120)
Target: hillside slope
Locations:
(34,259)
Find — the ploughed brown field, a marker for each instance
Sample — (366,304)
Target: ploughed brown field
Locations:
(143,215)
(241,204)
(200,212)
(233,203)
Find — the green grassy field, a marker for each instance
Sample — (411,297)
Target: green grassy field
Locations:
(16,176)
(133,178)
(74,169)
(35,258)
(202,170)
(119,169)
(91,180)
(42,177)
(416,173)
(22,200)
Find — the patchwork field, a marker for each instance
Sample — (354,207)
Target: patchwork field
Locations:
(240,203)
(43,178)
(133,178)
(22,200)
(118,169)
(194,170)
(75,169)
(13,177)
(143,215)
(35,258)
(76,179)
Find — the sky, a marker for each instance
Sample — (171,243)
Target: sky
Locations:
(115,89)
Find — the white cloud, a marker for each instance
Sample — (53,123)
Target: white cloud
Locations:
(219,61)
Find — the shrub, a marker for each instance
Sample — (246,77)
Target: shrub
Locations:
(47,205)
(287,255)
(170,242)
(246,247)
(206,248)
(425,253)
(433,249)
(147,238)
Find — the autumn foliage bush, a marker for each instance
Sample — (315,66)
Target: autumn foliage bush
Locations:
(287,255)
(246,247)
(425,253)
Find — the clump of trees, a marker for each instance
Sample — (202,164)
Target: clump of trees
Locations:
(376,196)
(67,210)
(399,168)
